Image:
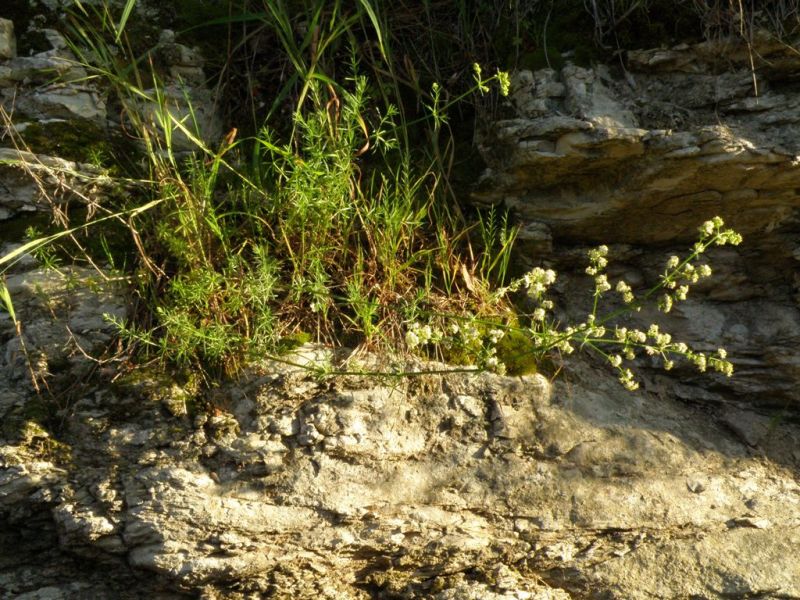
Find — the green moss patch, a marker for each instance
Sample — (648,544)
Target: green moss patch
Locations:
(78,140)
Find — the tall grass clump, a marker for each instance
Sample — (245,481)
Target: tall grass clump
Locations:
(330,229)
(330,215)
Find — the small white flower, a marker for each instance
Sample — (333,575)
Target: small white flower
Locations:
(673,262)
(701,362)
(601,283)
(495,335)
(624,289)
(723,366)
(626,379)
(615,360)
(425,333)
(470,333)
(539,314)
(412,339)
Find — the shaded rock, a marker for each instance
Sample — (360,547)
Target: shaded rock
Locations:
(8,41)
(637,159)
(62,317)
(49,85)
(34,182)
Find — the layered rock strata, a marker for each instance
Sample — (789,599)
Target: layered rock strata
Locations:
(637,158)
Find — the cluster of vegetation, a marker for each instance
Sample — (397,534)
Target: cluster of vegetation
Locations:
(330,212)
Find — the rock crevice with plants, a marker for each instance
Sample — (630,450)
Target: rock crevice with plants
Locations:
(320,471)
(634,157)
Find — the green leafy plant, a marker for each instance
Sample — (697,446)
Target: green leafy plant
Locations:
(331,225)
(600,333)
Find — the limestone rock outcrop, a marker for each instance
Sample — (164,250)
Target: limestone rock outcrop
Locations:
(438,487)
(118,485)
(637,158)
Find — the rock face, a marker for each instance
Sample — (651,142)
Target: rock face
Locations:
(8,41)
(437,487)
(637,159)
(48,84)
(49,89)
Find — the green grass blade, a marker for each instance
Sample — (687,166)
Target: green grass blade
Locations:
(123,20)
(373,17)
(5,297)
(17,253)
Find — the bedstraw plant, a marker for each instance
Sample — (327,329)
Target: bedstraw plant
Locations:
(600,332)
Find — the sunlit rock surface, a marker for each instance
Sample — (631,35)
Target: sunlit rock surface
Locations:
(437,487)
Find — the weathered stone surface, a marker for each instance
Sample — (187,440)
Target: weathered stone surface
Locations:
(35,182)
(638,159)
(63,322)
(440,487)
(185,64)
(8,41)
(49,85)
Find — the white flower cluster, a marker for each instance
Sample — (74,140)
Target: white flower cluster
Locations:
(597,260)
(477,341)
(712,232)
(625,291)
(419,335)
(491,362)
(537,280)
(679,275)
(627,380)
(536,283)
(655,342)
(596,332)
